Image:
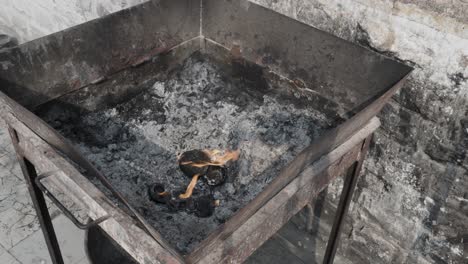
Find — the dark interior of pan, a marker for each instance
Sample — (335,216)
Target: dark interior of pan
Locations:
(134,89)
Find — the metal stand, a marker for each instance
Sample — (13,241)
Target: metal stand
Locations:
(39,202)
(345,199)
(45,221)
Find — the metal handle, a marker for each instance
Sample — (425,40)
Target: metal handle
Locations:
(62,208)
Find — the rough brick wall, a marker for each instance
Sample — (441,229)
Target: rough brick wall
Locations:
(411,205)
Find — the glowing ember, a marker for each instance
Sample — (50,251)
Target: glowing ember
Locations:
(207,163)
(158,194)
(216,158)
(190,188)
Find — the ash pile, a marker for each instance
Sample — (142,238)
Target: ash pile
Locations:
(202,104)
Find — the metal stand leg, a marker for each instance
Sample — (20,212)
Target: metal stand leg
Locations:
(314,211)
(39,202)
(345,199)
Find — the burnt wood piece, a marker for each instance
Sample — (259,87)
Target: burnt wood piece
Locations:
(236,246)
(349,185)
(193,156)
(204,206)
(215,175)
(38,199)
(186,161)
(158,194)
(175,204)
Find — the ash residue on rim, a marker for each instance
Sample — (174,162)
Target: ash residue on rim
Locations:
(202,104)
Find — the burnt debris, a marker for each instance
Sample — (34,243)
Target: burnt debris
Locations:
(216,175)
(158,194)
(188,158)
(195,164)
(203,206)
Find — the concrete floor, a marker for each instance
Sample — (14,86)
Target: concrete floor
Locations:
(21,240)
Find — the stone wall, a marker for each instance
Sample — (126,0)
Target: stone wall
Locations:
(411,205)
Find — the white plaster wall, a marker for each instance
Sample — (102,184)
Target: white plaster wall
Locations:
(30,19)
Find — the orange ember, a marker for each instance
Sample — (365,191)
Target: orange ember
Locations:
(217,157)
(190,188)
(214,157)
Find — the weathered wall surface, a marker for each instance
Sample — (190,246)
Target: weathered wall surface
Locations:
(27,20)
(412,201)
